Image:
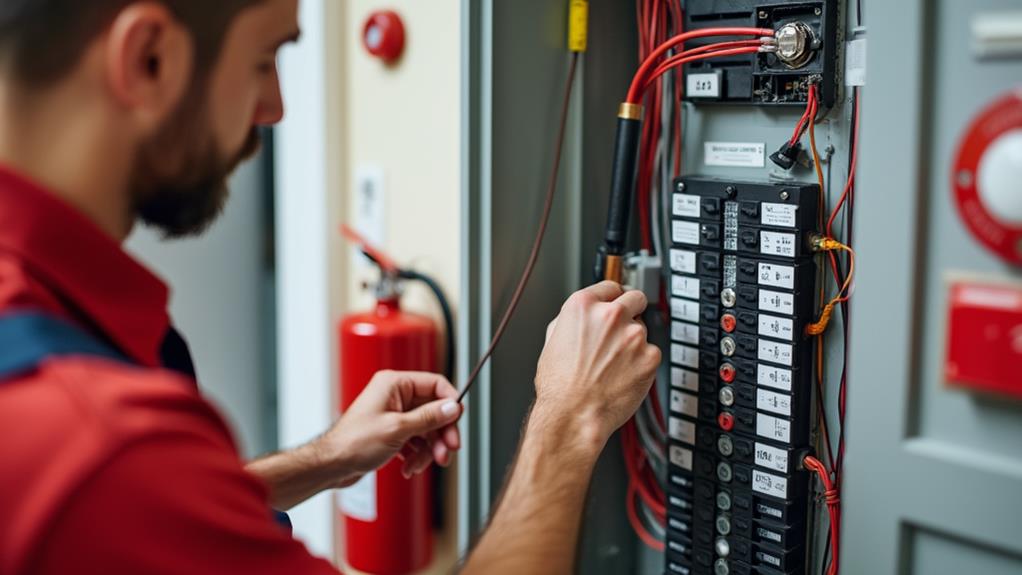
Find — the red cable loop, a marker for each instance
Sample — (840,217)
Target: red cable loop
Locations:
(635,91)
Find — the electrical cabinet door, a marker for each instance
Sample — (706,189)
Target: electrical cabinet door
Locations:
(933,477)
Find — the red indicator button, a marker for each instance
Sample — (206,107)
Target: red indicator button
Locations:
(383,35)
(984,349)
(727,372)
(728,323)
(726,421)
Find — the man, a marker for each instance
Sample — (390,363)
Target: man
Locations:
(113,111)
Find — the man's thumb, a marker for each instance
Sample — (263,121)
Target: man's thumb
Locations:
(430,417)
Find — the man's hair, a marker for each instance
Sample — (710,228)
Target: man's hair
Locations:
(42,40)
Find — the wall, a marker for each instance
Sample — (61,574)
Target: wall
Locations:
(219,285)
(346,110)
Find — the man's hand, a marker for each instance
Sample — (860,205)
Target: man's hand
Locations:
(409,414)
(593,374)
(597,366)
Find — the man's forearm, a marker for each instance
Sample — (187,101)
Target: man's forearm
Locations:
(535,526)
(295,475)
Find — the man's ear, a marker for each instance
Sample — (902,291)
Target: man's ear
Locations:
(149,59)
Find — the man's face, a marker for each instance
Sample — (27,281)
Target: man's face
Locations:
(180,178)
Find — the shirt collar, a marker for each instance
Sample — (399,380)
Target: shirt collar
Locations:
(83,265)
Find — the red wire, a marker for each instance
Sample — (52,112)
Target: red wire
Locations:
(833,508)
(635,91)
(808,116)
(686,57)
(633,518)
(632,453)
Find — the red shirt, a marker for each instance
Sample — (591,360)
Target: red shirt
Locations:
(109,468)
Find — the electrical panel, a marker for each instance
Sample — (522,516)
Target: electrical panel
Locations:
(740,408)
(806,34)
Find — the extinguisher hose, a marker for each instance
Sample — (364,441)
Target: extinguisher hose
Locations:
(445,309)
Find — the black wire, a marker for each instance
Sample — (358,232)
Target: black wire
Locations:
(445,309)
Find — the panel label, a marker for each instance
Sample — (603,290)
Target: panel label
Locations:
(731,226)
(779,327)
(777,244)
(771,457)
(685,379)
(769,484)
(681,430)
(775,352)
(686,206)
(772,427)
(683,261)
(774,275)
(768,535)
(773,402)
(685,355)
(768,510)
(734,154)
(855,62)
(685,286)
(730,271)
(681,457)
(776,301)
(685,332)
(703,86)
(778,215)
(684,403)
(683,232)
(775,377)
(685,309)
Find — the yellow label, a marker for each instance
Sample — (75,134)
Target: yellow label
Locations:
(578,25)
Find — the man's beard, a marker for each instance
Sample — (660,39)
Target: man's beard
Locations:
(185,202)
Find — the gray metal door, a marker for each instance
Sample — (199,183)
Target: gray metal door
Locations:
(933,479)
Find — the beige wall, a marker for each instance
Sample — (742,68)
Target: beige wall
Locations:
(405,119)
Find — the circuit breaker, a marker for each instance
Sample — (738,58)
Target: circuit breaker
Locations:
(742,294)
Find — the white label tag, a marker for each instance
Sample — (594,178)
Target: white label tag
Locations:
(777,301)
(683,261)
(769,535)
(734,154)
(685,286)
(685,309)
(685,332)
(779,327)
(685,355)
(779,215)
(702,86)
(359,500)
(685,232)
(769,484)
(777,244)
(684,379)
(772,427)
(775,377)
(774,275)
(681,457)
(684,403)
(775,352)
(773,402)
(855,62)
(686,206)
(771,457)
(682,430)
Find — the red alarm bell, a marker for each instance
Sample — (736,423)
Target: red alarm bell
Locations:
(384,35)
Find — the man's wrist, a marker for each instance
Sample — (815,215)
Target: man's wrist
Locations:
(578,433)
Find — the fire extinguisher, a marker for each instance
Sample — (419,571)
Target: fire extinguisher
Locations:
(388,519)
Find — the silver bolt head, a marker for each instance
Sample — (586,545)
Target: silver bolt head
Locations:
(724,472)
(723,524)
(680,186)
(723,501)
(723,547)
(720,567)
(728,346)
(727,398)
(728,297)
(725,446)
(785,195)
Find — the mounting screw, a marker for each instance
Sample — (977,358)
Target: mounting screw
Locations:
(680,187)
(731,191)
(785,195)
(763,15)
(818,11)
